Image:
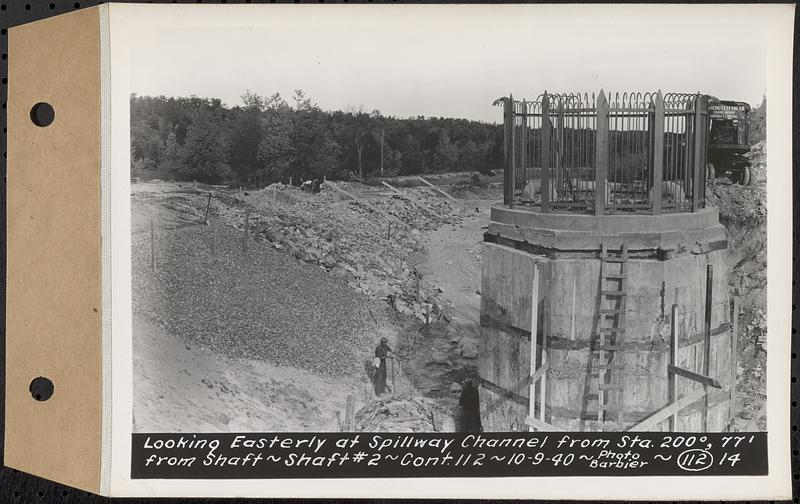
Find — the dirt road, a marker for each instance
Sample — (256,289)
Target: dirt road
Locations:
(437,361)
(453,263)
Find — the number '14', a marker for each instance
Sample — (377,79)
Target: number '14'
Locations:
(729,459)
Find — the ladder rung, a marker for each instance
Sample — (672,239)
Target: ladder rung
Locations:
(612,329)
(608,348)
(616,276)
(607,311)
(607,407)
(613,293)
(616,259)
(609,387)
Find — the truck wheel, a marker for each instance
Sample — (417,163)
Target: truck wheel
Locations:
(746,176)
(711,173)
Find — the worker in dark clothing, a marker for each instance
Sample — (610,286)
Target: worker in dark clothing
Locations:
(382,352)
(470,407)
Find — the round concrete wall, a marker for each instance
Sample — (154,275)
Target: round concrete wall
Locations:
(668,260)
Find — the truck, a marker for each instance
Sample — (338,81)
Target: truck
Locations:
(727,141)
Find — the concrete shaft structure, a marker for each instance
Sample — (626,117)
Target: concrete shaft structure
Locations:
(668,258)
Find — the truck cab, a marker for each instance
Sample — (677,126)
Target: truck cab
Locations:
(727,140)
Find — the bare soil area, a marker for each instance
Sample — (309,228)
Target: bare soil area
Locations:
(179,387)
(274,335)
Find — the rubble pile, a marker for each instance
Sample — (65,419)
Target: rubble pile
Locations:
(404,414)
(348,239)
(743,212)
(758,163)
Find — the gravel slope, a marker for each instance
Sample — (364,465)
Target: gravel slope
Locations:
(260,305)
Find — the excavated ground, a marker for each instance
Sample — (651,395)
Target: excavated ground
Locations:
(743,212)
(275,334)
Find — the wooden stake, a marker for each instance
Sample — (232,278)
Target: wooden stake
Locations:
(534,324)
(208,207)
(245,230)
(572,322)
(152,246)
(427,319)
(393,389)
(673,359)
(348,413)
(543,379)
(734,360)
(352,414)
(707,341)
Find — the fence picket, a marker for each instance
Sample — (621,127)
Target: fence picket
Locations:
(546,137)
(700,116)
(658,150)
(601,155)
(510,179)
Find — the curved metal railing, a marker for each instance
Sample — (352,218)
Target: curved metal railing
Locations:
(629,152)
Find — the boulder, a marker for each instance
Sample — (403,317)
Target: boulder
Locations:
(383,291)
(439,357)
(469,350)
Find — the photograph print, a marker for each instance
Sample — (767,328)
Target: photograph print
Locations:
(433,223)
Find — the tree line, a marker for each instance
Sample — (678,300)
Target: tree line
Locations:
(267,139)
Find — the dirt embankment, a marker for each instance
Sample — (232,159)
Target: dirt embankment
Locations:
(743,212)
(181,387)
(274,335)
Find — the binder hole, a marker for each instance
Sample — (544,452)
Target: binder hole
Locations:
(42,114)
(41,388)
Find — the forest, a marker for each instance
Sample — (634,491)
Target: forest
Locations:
(269,139)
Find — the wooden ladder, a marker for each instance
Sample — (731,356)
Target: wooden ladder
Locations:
(610,338)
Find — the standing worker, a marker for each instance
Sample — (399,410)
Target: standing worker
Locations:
(381,354)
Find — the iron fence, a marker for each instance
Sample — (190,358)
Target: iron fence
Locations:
(635,152)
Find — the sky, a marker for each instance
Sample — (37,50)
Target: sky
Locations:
(449,60)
